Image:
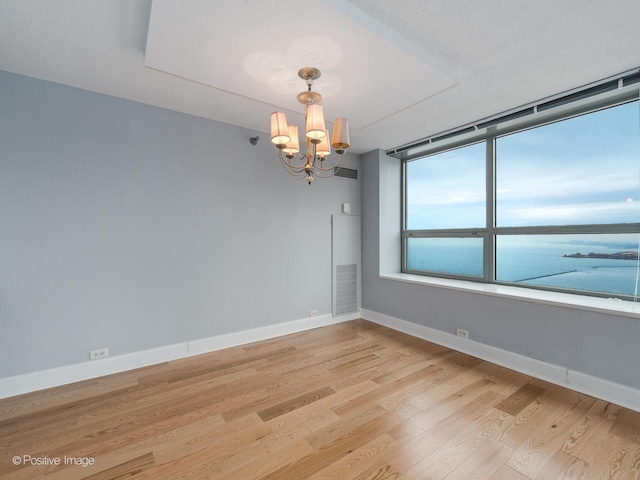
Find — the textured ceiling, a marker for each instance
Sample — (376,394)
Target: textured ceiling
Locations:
(506,53)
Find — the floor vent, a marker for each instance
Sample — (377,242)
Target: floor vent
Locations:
(345,172)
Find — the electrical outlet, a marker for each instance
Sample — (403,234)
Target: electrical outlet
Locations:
(314,313)
(462,333)
(96,354)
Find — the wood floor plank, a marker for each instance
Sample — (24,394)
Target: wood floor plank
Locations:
(260,459)
(354,362)
(627,425)
(457,449)
(419,447)
(294,403)
(240,362)
(482,463)
(456,403)
(352,401)
(408,364)
(456,365)
(617,459)
(412,381)
(338,448)
(125,470)
(384,471)
(498,381)
(216,440)
(30,403)
(507,473)
(542,444)
(318,354)
(369,372)
(563,466)
(344,425)
(456,389)
(519,428)
(360,464)
(519,399)
(585,438)
(271,394)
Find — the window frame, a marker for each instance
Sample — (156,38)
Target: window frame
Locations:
(580,103)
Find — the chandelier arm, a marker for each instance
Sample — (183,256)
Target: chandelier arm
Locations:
(324,174)
(293,171)
(329,172)
(296,176)
(287,164)
(327,169)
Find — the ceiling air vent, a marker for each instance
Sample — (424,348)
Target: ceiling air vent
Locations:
(345,172)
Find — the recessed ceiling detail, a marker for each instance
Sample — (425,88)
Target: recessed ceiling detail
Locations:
(255,48)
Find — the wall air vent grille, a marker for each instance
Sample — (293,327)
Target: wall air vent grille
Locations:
(346,289)
(345,172)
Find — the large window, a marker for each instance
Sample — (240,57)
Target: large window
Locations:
(550,205)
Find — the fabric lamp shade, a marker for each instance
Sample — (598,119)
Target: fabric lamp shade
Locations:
(293,145)
(323,150)
(279,129)
(340,138)
(314,127)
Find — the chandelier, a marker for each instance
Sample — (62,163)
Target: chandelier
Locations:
(312,164)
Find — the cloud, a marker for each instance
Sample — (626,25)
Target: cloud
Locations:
(583,170)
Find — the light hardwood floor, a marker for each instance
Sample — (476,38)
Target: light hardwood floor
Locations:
(348,401)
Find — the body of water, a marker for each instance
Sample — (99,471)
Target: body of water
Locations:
(526,261)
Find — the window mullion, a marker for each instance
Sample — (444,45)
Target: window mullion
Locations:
(489,241)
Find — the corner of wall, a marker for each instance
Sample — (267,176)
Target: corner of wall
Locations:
(390,184)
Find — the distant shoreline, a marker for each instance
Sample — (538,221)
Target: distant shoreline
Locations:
(628,255)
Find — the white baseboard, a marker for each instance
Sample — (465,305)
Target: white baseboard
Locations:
(53,377)
(610,391)
(31,382)
(219,342)
(581,382)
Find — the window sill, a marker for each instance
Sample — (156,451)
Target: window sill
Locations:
(612,306)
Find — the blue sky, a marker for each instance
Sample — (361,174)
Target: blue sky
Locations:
(584,170)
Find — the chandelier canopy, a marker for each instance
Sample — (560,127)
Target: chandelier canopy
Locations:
(312,164)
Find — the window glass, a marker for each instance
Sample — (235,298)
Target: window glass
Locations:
(447,190)
(566,204)
(461,256)
(596,263)
(584,170)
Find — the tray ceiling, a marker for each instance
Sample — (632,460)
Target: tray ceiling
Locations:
(255,49)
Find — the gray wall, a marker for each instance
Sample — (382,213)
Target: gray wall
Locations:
(131,227)
(606,346)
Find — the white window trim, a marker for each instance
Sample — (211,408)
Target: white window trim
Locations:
(580,302)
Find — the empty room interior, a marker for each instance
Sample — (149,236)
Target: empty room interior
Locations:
(319,239)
